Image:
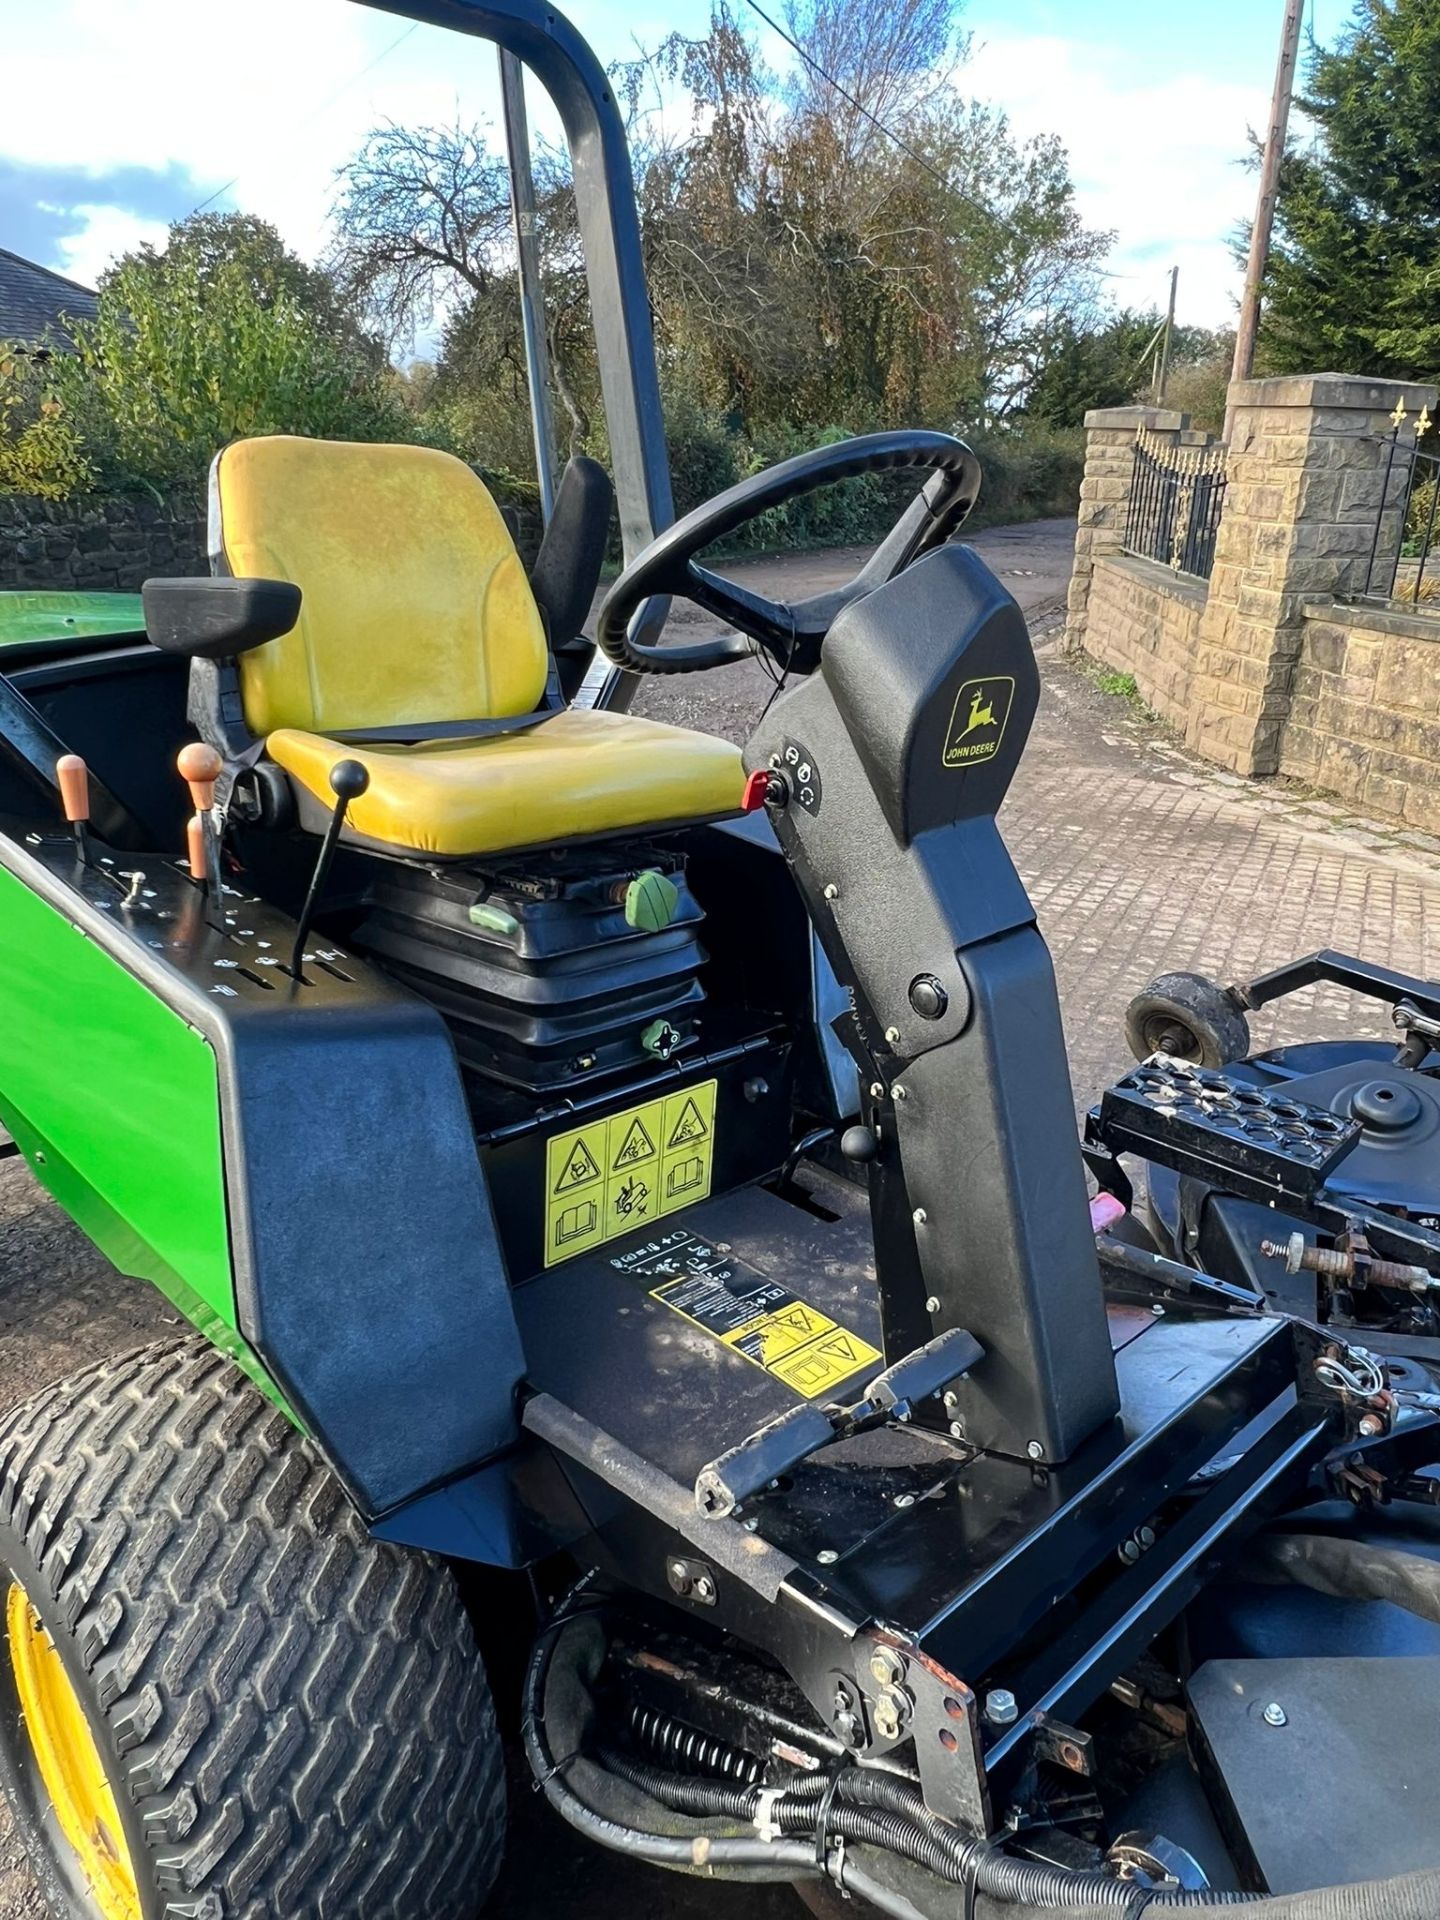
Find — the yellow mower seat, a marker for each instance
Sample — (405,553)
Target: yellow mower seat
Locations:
(578,774)
(416,612)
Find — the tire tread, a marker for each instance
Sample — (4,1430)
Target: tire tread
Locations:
(283,1695)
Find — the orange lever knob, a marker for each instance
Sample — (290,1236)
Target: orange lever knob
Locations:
(199,767)
(74,778)
(195,847)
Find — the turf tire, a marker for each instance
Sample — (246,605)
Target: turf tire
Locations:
(294,1716)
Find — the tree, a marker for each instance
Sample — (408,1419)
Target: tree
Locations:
(863,65)
(1108,362)
(1353,281)
(220,334)
(423,226)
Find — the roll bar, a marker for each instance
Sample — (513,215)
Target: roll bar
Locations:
(564,64)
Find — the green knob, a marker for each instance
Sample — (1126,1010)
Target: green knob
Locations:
(650,901)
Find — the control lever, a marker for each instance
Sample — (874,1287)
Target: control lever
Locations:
(199,767)
(782,1444)
(348,780)
(195,849)
(73,778)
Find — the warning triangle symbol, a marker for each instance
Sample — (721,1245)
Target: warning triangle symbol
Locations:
(690,1126)
(637,1145)
(578,1167)
(840,1347)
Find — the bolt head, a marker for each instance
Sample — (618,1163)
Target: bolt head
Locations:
(877,1090)
(899,1093)
(1130,1551)
(920,1216)
(1158,1310)
(677,1569)
(1146,1536)
(957,1430)
(827,1556)
(932,1305)
(1371,1424)
(1001,1707)
(952,1399)
(832,892)
(1275,1715)
(1035,1450)
(704,1588)
(887,1665)
(892,1034)
(904,1499)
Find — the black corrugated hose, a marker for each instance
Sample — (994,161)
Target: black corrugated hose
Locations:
(880,1811)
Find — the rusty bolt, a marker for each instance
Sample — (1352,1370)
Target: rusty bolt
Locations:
(887,1666)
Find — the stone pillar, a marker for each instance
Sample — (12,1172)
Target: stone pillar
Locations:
(1304,477)
(1104,496)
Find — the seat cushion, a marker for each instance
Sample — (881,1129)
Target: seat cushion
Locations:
(571,777)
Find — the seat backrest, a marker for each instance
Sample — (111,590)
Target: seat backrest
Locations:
(415,604)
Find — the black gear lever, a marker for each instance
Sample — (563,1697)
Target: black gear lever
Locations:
(348,780)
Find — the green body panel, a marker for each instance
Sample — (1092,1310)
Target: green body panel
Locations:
(114,1101)
(26,618)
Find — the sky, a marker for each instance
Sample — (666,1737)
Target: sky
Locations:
(122,115)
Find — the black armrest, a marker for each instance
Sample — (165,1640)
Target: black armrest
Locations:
(215,619)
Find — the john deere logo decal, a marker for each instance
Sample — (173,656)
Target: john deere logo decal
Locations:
(977,726)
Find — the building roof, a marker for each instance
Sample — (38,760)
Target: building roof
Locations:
(34,301)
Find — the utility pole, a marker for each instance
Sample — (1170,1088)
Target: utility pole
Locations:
(1269,187)
(1164,372)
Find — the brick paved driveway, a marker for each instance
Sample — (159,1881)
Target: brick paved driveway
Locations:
(1136,860)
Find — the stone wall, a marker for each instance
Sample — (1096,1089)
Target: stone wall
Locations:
(1364,715)
(98,542)
(1148,622)
(1270,666)
(1304,475)
(120,540)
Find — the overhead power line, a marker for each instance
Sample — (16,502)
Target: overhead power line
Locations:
(859,105)
(889,132)
(324,107)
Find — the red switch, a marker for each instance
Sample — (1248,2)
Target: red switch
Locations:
(757,788)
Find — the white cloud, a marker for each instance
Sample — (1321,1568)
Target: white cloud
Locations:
(1156,156)
(271,91)
(107,232)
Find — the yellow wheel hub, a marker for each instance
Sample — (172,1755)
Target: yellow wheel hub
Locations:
(69,1761)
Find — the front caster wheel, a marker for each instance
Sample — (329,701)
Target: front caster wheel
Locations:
(1188,1016)
(220,1699)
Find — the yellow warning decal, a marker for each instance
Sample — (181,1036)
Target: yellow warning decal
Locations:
(755,1317)
(611,1176)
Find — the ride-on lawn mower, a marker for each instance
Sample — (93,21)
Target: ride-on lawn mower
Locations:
(581,1151)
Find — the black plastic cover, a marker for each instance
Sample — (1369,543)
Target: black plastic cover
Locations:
(214,619)
(567,567)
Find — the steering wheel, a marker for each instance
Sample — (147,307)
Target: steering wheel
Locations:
(792,631)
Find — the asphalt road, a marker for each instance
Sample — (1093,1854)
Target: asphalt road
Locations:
(1136,858)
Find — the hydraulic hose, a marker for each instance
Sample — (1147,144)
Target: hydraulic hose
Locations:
(777,1860)
(882,1812)
(1353,1569)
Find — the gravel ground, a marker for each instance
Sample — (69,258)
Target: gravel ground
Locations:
(1137,859)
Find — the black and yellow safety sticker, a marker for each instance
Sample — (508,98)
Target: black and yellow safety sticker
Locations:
(751,1315)
(977,722)
(612,1176)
